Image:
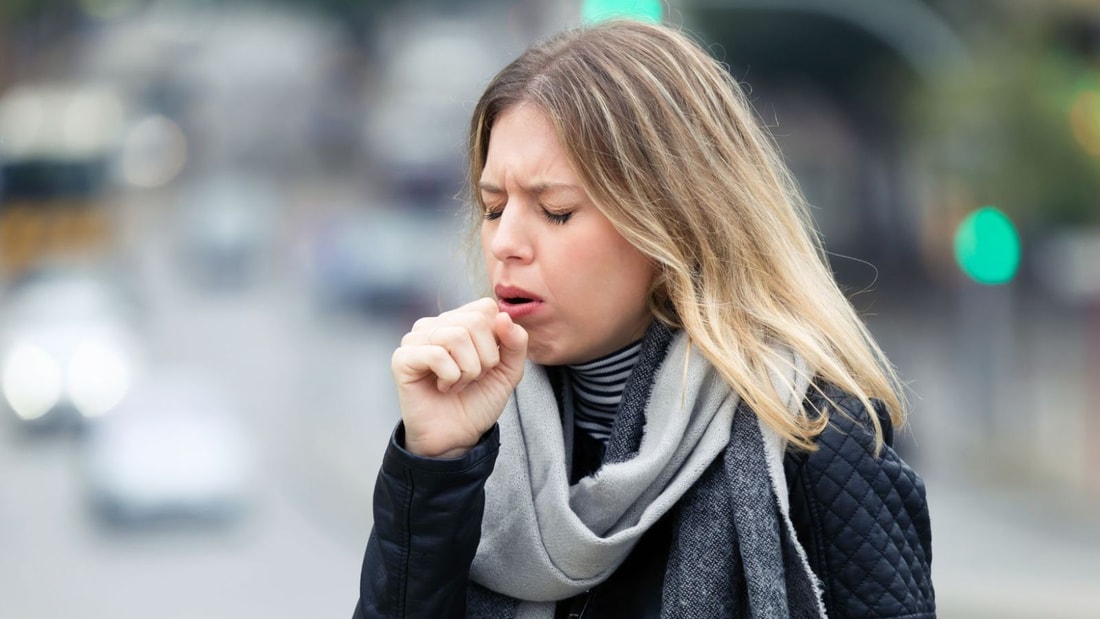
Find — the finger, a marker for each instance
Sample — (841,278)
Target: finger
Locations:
(513,344)
(480,328)
(411,364)
(458,341)
(415,338)
(477,317)
(420,332)
(478,331)
(484,306)
(424,324)
(485,339)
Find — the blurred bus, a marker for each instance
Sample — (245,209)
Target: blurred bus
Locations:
(57,143)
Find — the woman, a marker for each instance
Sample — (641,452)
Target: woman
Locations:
(667,408)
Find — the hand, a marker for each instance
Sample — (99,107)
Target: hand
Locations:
(454,374)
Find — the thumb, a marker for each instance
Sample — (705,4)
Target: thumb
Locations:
(513,344)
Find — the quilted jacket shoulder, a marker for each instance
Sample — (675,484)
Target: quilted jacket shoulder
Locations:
(862,519)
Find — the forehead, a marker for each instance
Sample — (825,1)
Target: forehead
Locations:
(524,148)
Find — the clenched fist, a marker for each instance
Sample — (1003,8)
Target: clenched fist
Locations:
(454,374)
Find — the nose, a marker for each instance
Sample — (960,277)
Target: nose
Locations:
(509,238)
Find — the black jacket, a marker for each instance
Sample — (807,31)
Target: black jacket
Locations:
(862,520)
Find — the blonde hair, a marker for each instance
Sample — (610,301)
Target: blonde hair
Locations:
(669,149)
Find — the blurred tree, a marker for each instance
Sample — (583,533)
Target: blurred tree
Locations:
(355,15)
(1020,126)
(16,10)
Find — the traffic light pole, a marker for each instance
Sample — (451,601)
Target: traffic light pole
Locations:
(1092,401)
(988,341)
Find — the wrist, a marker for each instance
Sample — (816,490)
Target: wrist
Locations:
(456,452)
(429,449)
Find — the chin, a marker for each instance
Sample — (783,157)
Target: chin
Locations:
(546,355)
(541,358)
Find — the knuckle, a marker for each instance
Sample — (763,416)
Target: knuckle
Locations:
(399,360)
(447,336)
(449,371)
(469,322)
(472,369)
(492,359)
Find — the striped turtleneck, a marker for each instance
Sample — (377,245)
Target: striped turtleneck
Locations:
(598,387)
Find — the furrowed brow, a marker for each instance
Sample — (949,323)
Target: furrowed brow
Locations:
(536,189)
(540,188)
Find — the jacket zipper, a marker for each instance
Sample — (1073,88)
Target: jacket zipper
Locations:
(579,614)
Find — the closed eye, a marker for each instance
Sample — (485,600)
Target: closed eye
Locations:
(557,218)
(551,216)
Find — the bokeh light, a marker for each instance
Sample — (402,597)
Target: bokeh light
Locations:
(599,10)
(1085,120)
(31,381)
(987,246)
(154,152)
(98,377)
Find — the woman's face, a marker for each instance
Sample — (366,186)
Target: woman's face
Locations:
(557,265)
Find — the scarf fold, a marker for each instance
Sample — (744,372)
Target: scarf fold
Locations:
(681,437)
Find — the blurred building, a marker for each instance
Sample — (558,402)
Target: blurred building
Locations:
(832,80)
(903,119)
(283,183)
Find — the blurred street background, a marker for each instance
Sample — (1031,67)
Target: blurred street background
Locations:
(217,218)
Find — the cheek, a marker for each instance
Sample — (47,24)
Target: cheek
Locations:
(635,270)
(613,262)
(484,238)
(617,277)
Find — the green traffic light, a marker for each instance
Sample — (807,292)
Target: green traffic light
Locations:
(987,246)
(599,10)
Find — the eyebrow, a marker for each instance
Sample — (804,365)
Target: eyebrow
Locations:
(537,189)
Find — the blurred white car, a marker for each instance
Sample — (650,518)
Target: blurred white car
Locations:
(388,262)
(227,230)
(174,448)
(431,67)
(69,347)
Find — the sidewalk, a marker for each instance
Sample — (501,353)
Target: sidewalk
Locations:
(1011,557)
(1000,431)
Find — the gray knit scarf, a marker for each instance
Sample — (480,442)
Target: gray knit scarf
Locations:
(681,441)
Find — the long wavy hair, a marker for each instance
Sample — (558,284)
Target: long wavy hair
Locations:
(670,150)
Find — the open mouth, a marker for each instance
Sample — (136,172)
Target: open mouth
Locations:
(516,300)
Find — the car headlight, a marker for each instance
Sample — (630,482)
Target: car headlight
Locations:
(31,381)
(98,377)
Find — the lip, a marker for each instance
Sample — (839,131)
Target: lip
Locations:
(517,310)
